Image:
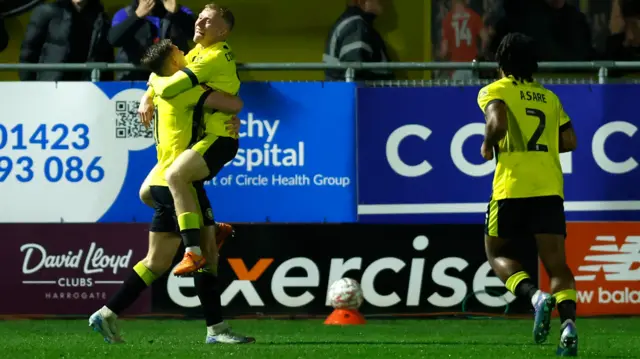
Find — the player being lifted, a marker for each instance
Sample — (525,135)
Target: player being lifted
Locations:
(179,126)
(211,62)
(526,129)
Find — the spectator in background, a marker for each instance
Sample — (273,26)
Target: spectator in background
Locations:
(463,34)
(560,30)
(354,39)
(66,31)
(4,37)
(138,26)
(624,42)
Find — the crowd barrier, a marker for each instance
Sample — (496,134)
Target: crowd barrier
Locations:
(386,165)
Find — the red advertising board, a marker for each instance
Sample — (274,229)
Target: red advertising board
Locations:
(605,260)
(68,269)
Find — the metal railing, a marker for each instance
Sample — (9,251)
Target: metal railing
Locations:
(602,67)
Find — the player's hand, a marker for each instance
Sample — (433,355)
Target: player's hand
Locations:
(146,110)
(170,5)
(486,152)
(145,7)
(233,126)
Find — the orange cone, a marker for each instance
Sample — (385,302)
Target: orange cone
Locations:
(345,317)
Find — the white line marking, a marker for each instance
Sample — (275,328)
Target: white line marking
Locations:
(38,282)
(109,282)
(606,238)
(439,208)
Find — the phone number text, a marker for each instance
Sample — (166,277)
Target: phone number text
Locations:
(54,169)
(53,137)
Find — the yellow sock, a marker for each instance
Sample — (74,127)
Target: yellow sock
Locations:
(513,281)
(189,220)
(567,294)
(145,274)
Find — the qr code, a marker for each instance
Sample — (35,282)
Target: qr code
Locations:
(128,124)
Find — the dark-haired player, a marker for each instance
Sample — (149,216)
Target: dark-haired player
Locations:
(179,125)
(526,131)
(211,62)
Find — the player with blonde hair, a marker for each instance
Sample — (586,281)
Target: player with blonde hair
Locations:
(179,126)
(211,62)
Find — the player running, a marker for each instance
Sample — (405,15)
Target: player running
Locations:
(180,126)
(211,62)
(526,129)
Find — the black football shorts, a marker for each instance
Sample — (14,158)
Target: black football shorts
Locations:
(164,217)
(513,218)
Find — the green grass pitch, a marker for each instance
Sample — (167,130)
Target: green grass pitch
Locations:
(392,339)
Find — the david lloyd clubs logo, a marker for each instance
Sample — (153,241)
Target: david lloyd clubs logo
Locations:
(74,272)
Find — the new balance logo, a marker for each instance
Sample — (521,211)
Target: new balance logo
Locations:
(618,264)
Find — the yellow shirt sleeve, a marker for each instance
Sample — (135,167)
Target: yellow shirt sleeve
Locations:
(150,93)
(487,95)
(167,87)
(194,74)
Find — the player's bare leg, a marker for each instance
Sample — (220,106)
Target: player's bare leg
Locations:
(162,249)
(551,249)
(503,261)
(187,168)
(145,189)
(206,281)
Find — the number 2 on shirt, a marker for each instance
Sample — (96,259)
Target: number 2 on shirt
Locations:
(533,144)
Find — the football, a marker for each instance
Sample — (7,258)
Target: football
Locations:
(345,293)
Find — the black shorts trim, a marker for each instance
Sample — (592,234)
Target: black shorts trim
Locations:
(192,76)
(514,218)
(197,125)
(222,151)
(164,217)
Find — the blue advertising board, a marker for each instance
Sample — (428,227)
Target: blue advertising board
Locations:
(81,154)
(419,154)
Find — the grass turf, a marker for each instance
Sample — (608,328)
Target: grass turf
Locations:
(600,338)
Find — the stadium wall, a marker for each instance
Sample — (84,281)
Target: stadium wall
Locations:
(391,195)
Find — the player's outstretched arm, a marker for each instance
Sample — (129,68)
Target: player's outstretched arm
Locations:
(223,102)
(185,79)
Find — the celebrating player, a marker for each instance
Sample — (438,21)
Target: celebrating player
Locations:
(179,127)
(526,130)
(211,62)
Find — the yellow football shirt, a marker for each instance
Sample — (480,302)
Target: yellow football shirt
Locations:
(528,158)
(178,125)
(214,66)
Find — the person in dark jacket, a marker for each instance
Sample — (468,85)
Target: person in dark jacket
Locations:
(138,26)
(66,31)
(354,39)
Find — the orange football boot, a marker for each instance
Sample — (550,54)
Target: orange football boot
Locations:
(190,263)
(223,231)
